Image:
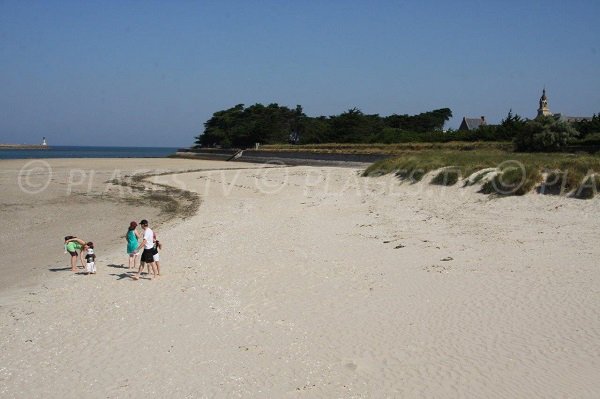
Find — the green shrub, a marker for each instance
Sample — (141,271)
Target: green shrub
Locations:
(544,134)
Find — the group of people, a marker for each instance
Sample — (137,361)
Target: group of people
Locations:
(74,244)
(151,247)
(144,241)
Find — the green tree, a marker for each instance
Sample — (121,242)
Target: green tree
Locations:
(217,130)
(423,122)
(587,127)
(315,130)
(353,126)
(510,126)
(544,134)
(242,126)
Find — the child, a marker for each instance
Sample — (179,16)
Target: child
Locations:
(156,255)
(90,258)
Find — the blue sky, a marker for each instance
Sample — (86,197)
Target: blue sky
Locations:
(150,73)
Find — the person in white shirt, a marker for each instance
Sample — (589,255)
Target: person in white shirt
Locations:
(148,254)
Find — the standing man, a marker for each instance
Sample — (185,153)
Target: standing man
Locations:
(148,254)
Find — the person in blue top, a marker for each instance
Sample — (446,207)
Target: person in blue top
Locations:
(132,244)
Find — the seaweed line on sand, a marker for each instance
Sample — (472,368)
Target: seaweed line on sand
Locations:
(171,201)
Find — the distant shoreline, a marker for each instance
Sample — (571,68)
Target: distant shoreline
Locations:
(60,151)
(23,147)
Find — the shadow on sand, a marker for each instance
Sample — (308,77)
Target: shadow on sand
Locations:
(121,266)
(80,271)
(60,269)
(130,275)
(122,276)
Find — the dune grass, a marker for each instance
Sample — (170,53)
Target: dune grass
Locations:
(396,149)
(448,176)
(516,173)
(513,181)
(589,187)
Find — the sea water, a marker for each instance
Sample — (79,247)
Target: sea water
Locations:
(88,152)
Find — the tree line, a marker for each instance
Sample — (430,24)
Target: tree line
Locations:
(540,134)
(242,126)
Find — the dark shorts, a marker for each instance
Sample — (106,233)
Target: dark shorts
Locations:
(147,256)
(74,253)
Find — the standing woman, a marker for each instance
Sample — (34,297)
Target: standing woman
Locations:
(72,245)
(132,244)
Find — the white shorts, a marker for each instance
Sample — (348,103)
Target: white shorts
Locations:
(156,257)
(91,267)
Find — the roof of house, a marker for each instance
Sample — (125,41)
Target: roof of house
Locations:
(566,118)
(473,123)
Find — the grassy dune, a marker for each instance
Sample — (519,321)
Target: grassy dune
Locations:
(516,173)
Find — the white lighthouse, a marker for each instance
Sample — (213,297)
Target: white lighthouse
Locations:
(44,141)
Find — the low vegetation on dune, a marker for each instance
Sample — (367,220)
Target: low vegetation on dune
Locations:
(500,172)
(513,180)
(388,149)
(448,176)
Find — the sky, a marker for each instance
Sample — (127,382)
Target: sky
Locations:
(150,73)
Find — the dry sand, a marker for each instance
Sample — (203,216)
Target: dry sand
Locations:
(315,282)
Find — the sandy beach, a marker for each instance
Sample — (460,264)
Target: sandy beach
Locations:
(299,282)
(42,201)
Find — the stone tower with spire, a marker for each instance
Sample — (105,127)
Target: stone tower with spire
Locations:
(543,110)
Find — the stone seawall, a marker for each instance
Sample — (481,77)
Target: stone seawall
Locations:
(208,154)
(283,157)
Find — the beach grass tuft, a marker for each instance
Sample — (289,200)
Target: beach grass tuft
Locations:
(447,177)
(589,187)
(512,181)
